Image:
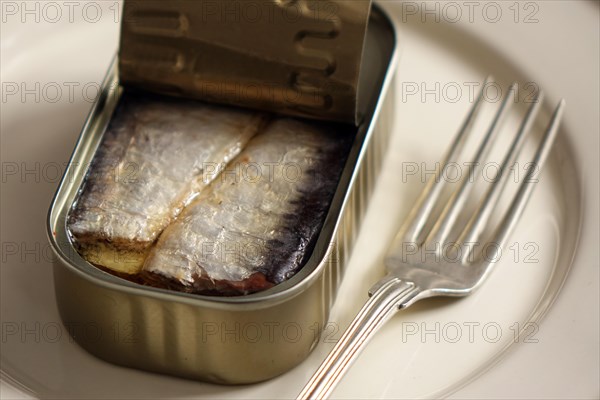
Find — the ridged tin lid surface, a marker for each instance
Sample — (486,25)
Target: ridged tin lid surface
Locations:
(295,57)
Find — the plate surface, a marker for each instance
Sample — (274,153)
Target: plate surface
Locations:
(51,70)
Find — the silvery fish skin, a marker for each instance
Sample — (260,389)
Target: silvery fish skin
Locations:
(256,224)
(156,156)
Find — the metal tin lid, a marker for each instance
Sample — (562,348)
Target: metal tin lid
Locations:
(295,57)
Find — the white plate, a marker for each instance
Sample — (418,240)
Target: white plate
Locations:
(559,52)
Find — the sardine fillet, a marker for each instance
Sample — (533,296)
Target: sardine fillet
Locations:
(254,226)
(155,157)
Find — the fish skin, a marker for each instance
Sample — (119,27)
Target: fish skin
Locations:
(256,224)
(156,156)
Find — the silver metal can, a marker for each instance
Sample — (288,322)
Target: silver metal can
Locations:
(229,340)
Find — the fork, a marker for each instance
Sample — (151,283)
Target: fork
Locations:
(410,277)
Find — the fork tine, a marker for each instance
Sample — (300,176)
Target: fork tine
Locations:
(480,218)
(447,219)
(415,222)
(520,200)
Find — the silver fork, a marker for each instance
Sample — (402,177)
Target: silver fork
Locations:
(410,277)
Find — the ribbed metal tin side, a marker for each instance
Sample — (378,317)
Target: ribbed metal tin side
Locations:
(198,342)
(373,153)
(232,341)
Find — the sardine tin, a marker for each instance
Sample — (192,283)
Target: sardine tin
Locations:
(229,340)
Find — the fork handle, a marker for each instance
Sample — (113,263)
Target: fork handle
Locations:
(387,297)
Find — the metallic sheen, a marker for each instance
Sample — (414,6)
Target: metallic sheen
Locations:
(296,57)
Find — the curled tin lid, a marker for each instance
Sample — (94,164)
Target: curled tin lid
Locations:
(295,57)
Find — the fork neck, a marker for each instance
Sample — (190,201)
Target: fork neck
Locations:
(401,292)
(388,296)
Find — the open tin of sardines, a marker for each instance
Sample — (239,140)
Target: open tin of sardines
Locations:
(208,241)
